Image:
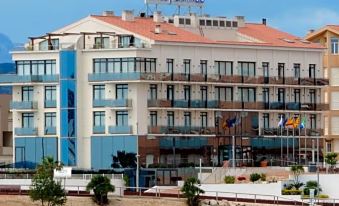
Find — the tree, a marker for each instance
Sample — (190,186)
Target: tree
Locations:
(100,185)
(44,188)
(331,159)
(297,170)
(192,191)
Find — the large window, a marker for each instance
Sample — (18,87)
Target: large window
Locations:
(170,65)
(98,92)
(153,94)
(187,66)
(281,70)
(247,69)
(121,91)
(101,42)
(224,67)
(50,96)
(266,95)
(265,67)
(203,117)
(224,94)
(36,67)
(123,65)
(170,119)
(99,119)
(311,71)
(281,95)
(187,117)
(203,67)
(266,117)
(187,92)
(296,71)
(27,94)
(50,119)
(334,45)
(154,119)
(247,94)
(122,118)
(27,120)
(170,92)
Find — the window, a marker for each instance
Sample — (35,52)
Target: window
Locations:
(203,117)
(187,92)
(224,94)
(170,92)
(36,67)
(122,118)
(208,22)
(203,91)
(224,67)
(27,120)
(313,121)
(51,44)
(202,22)
(170,65)
(266,117)
(127,65)
(154,119)
(228,24)
(247,69)
(27,94)
(187,66)
(187,117)
(50,119)
(123,65)
(203,67)
(281,70)
(297,95)
(101,42)
(266,95)
(170,119)
(312,96)
(247,94)
(99,119)
(311,71)
(296,71)
(99,66)
(153,95)
(265,67)
(215,23)
(121,91)
(181,21)
(334,45)
(126,41)
(281,95)
(50,96)
(188,21)
(234,24)
(222,23)
(98,92)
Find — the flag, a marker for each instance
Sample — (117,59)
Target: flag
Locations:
(232,122)
(303,123)
(281,122)
(290,122)
(296,122)
(225,124)
(238,121)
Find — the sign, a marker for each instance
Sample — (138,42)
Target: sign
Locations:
(196,3)
(65,172)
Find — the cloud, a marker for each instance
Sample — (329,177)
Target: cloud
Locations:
(300,21)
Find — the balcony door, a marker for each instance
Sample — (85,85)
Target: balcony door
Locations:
(121,91)
(266,97)
(203,91)
(27,120)
(170,93)
(27,94)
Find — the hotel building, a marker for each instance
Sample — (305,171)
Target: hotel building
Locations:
(328,37)
(108,87)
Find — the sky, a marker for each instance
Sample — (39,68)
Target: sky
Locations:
(20,19)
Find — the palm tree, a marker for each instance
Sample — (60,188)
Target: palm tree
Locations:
(297,170)
(331,159)
(100,185)
(192,191)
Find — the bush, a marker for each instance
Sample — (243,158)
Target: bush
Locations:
(229,179)
(255,177)
(323,196)
(291,192)
(192,191)
(312,185)
(100,185)
(263,177)
(241,178)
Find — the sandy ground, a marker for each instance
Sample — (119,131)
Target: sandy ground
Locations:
(86,201)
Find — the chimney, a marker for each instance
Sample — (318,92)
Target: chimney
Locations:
(157,17)
(108,13)
(127,15)
(157,29)
(240,20)
(264,21)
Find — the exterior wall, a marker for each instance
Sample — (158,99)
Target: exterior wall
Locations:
(5,130)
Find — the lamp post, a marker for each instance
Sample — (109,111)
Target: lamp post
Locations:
(137,173)
(233,152)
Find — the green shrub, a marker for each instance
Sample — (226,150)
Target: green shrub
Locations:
(229,179)
(311,185)
(255,177)
(291,192)
(263,177)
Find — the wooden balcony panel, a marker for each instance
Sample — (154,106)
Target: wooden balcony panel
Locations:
(197,77)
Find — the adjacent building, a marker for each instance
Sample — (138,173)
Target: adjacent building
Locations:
(328,37)
(173,90)
(6,140)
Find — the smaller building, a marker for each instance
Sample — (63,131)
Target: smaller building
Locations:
(6,137)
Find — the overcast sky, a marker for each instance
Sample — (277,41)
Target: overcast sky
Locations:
(22,18)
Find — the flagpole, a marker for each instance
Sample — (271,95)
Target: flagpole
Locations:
(281,146)
(305,140)
(293,145)
(287,146)
(299,142)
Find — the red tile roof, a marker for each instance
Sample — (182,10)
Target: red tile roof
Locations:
(334,27)
(266,35)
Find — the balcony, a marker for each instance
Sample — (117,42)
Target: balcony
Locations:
(181,103)
(112,103)
(289,132)
(120,129)
(14,78)
(98,129)
(50,130)
(50,104)
(159,103)
(26,131)
(181,130)
(97,77)
(23,105)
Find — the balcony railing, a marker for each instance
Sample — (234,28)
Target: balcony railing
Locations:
(50,130)
(50,103)
(95,77)
(98,129)
(23,105)
(120,129)
(112,103)
(14,78)
(181,130)
(290,132)
(26,131)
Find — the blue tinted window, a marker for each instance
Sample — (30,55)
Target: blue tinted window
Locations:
(68,64)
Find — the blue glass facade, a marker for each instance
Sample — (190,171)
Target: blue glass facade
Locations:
(103,149)
(68,113)
(30,151)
